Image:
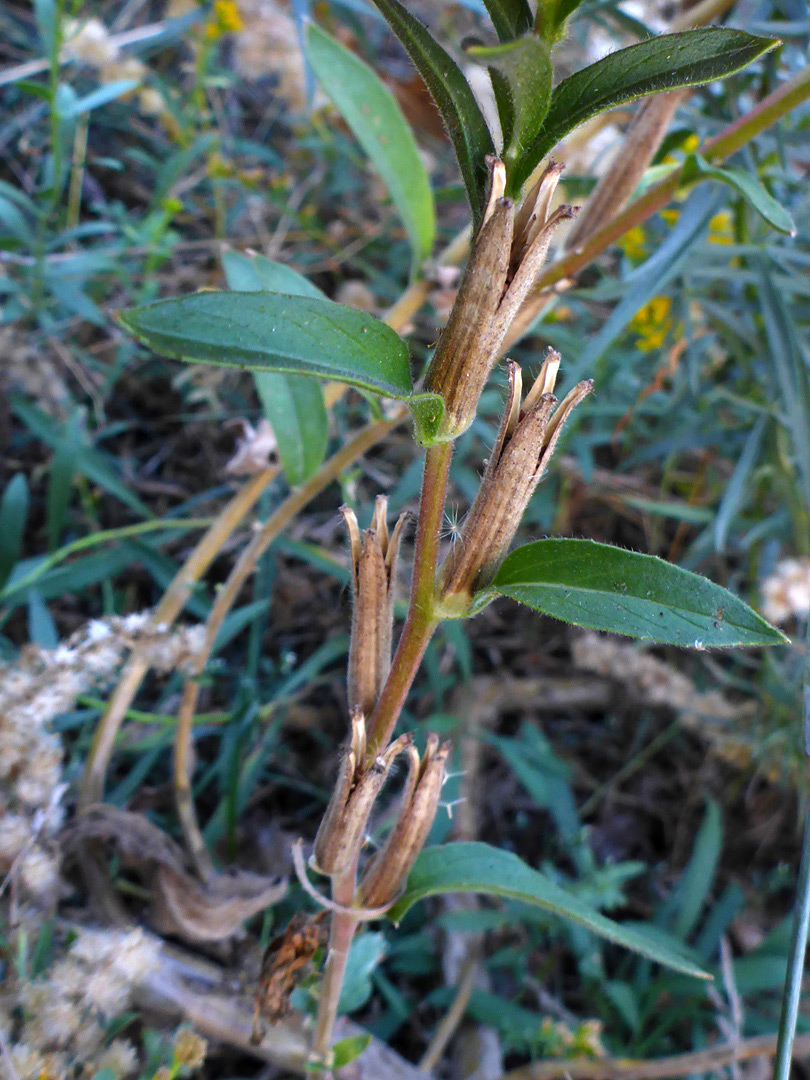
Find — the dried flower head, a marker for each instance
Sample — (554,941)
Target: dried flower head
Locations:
(528,434)
(374,558)
(189,1049)
(343,827)
(254,450)
(786,593)
(386,873)
(507,256)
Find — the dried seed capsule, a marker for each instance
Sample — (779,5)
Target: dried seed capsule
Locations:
(386,873)
(523,447)
(506,258)
(343,828)
(374,556)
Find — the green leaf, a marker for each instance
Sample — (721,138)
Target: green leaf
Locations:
(789,368)
(64,466)
(46,15)
(345,1051)
(101,96)
(606,588)
(372,113)
(480,868)
(692,891)
(524,93)
(465,123)
(256,273)
(649,279)
(365,956)
(295,410)
(746,184)
(552,16)
(293,404)
(511,18)
(13,515)
(664,63)
(276,332)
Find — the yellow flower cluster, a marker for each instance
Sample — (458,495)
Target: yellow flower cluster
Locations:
(653,323)
(721,228)
(225,19)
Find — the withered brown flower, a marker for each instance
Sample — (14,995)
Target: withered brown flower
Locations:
(374,556)
(342,830)
(387,871)
(526,439)
(506,258)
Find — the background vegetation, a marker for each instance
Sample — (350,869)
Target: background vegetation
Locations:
(141,142)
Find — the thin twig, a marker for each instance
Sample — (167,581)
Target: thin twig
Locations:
(36,67)
(452,1018)
(245,565)
(668,1068)
(173,601)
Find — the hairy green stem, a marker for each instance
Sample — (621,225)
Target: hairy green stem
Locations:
(341,933)
(419,625)
(421,619)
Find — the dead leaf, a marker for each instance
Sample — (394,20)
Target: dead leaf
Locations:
(211,910)
(282,966)
(194,910)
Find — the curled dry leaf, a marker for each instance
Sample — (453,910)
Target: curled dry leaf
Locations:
(210,910)
(194,910)
(283,963)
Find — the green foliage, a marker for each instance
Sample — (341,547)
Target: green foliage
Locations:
(293,404)
(480,868)
(511,18)
(345,1051)
(275,332)
(456,102)
(665,63)
(13,515)
(624,592)
(365,956)
(372,112)
(524,66)
(694,448)
(696,167)
(552,16)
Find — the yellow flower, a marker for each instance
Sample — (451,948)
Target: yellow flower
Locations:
(633,243)
(691,143)
(721,228)
(653,323)
(670,216)
(225,19)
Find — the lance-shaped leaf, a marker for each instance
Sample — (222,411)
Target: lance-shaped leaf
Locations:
(13,516)
(468,130)
(696,168)
(293,404)
(522,75)
(295,335)
(479,868)
(264,331)
(511,18)
(551,18)
(606,588)
(668,62)
(372,112)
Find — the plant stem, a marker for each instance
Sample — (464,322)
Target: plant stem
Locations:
(421,619)
(416,633)
(341,932)
(729,141)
